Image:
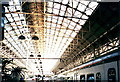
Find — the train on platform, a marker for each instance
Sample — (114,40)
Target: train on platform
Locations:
(104,69)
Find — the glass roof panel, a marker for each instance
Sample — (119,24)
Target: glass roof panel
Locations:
(18,7)
(85,2)
(77,14)
(50,10)
(63,8)
(73,5)
(56,11)
(14,14)
(62,13)
(93,5)
(16,19)
(81,7)
(85,17)
(75,20)
(88,11)
(18,23)
(56,6)
(65,1)
(82,22)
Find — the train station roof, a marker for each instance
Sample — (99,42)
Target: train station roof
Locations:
(46,36)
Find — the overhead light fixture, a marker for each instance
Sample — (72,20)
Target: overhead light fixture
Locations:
(3,44)
(22,19)
(38,55)
(39,75)
(40,62)
(18,11)
(21,37)
(7,48)
(38,58)
(60,68)
(35,62)
(31,56)
(35,38)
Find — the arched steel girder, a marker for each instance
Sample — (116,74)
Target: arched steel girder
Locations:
(70,20)
(66,28)
(72,7)
(47,14)
(52,14)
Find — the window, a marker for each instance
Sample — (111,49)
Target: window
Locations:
(90,78)
(98,77)
(2,24)
(75,76)
(111,75)
(82,78)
